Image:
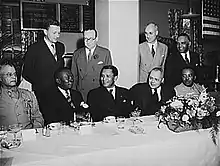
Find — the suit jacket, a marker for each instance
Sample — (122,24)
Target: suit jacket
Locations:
(174,65)
(40,64)
(102,103)
(39,68)
(87,74)
(147,62)
(141,94)
(61,108)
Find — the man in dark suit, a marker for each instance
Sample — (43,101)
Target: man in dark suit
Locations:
(41,61)
(149,96)
(67,103)
(179,60)
(87,63)
(109,99)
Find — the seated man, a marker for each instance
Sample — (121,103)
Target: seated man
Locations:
(188,87)
(17,106)
(149,96)
(65,101)
(109,99)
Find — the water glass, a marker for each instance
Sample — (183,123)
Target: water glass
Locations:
(3,134)
(15,129)
(120,122)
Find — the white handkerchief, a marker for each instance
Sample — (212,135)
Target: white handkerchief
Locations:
(100,62)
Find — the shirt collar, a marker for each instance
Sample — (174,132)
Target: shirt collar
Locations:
(183,54)
(64,91)
(92,50)
(113,88)
(157,89)
(48,42)
(155,44)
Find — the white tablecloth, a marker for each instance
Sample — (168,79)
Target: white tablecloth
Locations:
(106,146)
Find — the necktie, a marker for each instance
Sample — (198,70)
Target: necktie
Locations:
(155,95)
(89,55)
(152,51)
(186,59)
(54,51)
(68,97)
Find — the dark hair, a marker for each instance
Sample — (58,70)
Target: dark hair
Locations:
(96,32)
(50,22)
(189,68)
(185,35)
(58,72)
(113,68)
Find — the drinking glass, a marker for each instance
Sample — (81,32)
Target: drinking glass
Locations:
(15,129)
(3,135)
(120,120)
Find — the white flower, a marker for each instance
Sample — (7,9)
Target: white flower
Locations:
(176,104)
(203,96)
(163,109)
(84,105)
(185,118)
(218,113)
(191,113)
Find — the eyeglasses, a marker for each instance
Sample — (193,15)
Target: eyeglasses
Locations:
(88,39)
(10,74)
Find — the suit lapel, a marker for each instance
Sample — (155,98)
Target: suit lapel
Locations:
(82,61)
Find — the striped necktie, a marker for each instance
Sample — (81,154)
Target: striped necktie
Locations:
(68,97)
(152,51)
(186,59)
(89,55)
(54,51)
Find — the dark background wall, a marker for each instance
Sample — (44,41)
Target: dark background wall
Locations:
(157,11)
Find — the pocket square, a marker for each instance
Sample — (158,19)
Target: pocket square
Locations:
(100,62)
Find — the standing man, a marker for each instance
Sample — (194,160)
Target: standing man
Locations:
(181,59)
(149,96)
(17,106)
(109,99)
(151,52)
(87,63)
(41,61)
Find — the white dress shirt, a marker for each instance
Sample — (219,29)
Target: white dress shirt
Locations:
(49,45)
(113,92)
(155,46)
(64,92)
(187,54)
(87,52)
(158,91)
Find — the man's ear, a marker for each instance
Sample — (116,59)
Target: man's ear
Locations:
(115,78)
(190,43)
(194,78)
(58,81)
(157,32)
(162,81)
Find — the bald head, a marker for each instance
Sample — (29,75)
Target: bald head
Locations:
(151,32)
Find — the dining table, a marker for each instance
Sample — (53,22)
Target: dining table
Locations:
(138,142)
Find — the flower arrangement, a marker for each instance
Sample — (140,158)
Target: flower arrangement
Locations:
(96,56)
(190,113)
